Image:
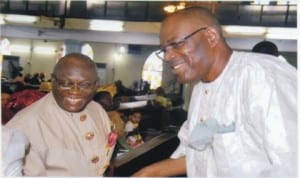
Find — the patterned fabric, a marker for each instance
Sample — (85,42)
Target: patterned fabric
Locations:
(20,100)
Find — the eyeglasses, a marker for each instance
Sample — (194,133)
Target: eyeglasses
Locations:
(66,85)
(176,45)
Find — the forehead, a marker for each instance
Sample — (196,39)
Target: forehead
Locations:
(177,25)
(75,67)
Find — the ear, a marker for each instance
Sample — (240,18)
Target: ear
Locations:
(213,36)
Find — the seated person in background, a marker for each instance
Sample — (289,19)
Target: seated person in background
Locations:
(27,78)
(18,101)
(45,87)
(19,78)
(122,90)
(161,99)
(35,80)
(111,88)
(133,136)
(140,87)
(42,76)
(266,47)
(5,95)
(69,134)
(106,100)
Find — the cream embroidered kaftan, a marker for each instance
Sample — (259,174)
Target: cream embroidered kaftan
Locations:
(63,143)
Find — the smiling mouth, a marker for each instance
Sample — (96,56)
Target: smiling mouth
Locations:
(73,100)
(177,66)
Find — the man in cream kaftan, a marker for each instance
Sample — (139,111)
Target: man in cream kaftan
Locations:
(69,134)
(64,143)
(255,99)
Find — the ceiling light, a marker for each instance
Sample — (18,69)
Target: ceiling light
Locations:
(180,6)
(21,18)
(282,33)
(2,19)
(261,2)
(94,3)
(173,8)
(44,50)
(263,32)
(244,30)
(106,25)
(20,48)
(170,8)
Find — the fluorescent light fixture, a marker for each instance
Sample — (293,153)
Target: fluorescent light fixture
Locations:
(262,32)
(244,30)
(181,6)
(282,33)
(106,25)
(44,50)
(93,3)
(20,48)
(173,8)
(261,2)
(170,8)
(21,18)
(2,19)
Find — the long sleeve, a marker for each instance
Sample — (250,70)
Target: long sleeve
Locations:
(14,145)
(272,108)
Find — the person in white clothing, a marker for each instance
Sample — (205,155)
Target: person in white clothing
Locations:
(133,136)
(242,117)
(14,147)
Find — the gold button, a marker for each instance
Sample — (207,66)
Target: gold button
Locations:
(83,117)
(95,159)
(105,166)
(89,135)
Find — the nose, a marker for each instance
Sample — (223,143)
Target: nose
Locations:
(75,87)
(169,54)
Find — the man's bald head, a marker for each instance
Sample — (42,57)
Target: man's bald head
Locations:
(196,15)
(75,59)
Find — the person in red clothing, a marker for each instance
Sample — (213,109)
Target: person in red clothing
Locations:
(19,100)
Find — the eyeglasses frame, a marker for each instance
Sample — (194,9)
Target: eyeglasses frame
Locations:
(59,83)
(178,43)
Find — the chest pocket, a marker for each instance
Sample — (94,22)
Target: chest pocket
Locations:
(203,134)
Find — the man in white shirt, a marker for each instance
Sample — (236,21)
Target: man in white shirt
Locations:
(242,118)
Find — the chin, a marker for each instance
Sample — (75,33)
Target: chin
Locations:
(73,109)
(184,80)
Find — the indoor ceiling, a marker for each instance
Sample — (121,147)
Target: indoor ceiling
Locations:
(142,20)
(248,13)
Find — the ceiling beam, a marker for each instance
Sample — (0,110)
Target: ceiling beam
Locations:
(140,38)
